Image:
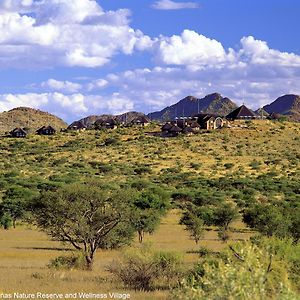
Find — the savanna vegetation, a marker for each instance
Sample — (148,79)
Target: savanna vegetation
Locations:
(215,215)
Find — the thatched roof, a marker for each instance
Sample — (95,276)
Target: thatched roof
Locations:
(18,131)
(175,128)
(166,127)
(77,125)
(242,112)
(187,129)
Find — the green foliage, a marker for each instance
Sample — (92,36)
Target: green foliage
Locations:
(84,216)
(5,220)
(74,261)
(249,272)
(194,225)
(270,220)
(149,205)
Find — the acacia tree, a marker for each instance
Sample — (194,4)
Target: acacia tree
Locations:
(148,207)
(84,216)
(194,224)
(224,215)
(15,202)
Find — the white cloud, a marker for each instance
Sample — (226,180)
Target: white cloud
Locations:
(190,48)
(97,84)
(258,52)
(68,107)
(171,5)
(187,64)
(64,86)
(65,33)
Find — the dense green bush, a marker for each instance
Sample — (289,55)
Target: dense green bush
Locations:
(245,272)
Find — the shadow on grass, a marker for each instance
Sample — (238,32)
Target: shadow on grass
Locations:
(44,248)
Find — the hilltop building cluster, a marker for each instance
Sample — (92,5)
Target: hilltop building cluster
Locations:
(173,126)
(190,125)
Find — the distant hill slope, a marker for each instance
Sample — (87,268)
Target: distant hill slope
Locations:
(28,117)
(213,104)
(286,105)
(126,117)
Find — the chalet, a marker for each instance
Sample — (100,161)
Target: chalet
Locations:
(175,130)
(241,113)
(194,125)
(140,121)
(77,125)
(18,133)
(46,130)
(165,128)
(187,130)
(109,123)
(209,121)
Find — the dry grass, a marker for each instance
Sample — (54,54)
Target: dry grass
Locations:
(25,253)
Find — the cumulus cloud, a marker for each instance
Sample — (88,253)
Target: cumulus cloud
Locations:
(258,52)
(68,107)
(195,51)
(172,5)
(64,86)
(64,33)
(190,48)
(186,64)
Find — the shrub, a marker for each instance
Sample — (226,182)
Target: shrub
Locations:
(228,166)
(74,261)
(248,273)
(144,269)
(111,141)
(6,221)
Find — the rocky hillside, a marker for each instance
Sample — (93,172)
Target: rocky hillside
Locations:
(213,104)
(29,118)
(285,105)
(123,118)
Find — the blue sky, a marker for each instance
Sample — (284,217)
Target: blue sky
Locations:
(74,58)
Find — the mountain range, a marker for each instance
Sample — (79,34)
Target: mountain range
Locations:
(288,105)
(188,106)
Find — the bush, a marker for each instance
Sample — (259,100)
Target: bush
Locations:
(146,270)
(111,141)
(6,221)
(248,273)
(68,262)
(228,166)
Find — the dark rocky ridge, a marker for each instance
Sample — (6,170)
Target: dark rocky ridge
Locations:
(212,104)
(288,105)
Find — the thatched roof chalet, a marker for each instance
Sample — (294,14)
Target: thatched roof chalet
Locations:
(46,130)
(18,133)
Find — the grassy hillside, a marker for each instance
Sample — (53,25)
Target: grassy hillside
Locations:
(262,147)
(26,117)
(252,161)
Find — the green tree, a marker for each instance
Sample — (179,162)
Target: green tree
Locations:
(148,208)
(268,219)
(15,202)
(194,225)
(84,216)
